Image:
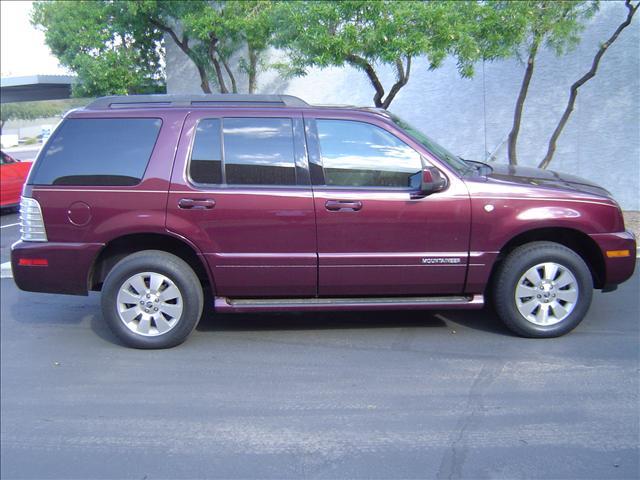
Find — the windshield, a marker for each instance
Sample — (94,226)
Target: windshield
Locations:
(438,150)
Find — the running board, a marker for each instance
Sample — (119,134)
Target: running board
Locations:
(240,305)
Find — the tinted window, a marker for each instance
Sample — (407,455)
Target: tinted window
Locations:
(108,151)
(259,151)
(206,155)
(357,154)
(5,159)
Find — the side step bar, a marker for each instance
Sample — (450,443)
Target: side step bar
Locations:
(241,305)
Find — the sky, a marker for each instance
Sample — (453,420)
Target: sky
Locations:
(22,47)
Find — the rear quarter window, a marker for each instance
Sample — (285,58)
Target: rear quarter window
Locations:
(97,152)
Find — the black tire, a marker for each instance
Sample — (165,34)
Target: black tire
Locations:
(173,268)
(512,269)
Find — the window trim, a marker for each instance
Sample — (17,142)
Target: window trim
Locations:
(316,141)
(241,186)
(37,162)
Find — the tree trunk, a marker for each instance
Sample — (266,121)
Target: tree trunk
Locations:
(361,63)
(573,91)
(219,75)
(184,46)
(522,96)
(234,85)
(402,71)
(402,79)
(253,69)
(213,55)
(204,79)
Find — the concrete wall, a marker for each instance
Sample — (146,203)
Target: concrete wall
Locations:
(473,117)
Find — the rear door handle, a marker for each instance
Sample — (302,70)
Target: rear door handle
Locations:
(196,203)
(343,205)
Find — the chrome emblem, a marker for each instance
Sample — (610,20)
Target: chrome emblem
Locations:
(440,260)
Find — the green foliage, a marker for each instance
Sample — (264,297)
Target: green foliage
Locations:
(40,109)
(367,34)
(557,25)
(116,46)
(240,27)
(111,51)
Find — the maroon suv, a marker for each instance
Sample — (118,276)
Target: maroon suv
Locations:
(272,205)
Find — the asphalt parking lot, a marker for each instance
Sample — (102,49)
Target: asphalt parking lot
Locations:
(350,395)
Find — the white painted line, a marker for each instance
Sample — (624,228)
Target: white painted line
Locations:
(10,225)
(5,270)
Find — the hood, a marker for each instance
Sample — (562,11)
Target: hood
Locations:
(527,176)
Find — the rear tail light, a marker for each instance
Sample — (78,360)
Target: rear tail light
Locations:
(31,221)
(33,262)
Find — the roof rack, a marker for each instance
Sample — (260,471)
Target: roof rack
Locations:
(221,100)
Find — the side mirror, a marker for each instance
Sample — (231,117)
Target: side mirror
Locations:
(426,182)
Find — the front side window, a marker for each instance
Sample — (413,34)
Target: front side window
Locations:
(98,152)
(357,154)
(439,151)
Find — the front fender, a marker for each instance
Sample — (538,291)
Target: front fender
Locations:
(497,221)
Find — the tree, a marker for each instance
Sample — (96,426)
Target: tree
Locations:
(211,33)
(556,24)
(367,35)
(573,90)
(117,47)
(112,53)
(165,17)
(231,27)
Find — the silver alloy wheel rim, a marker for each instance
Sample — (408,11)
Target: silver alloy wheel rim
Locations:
(546,294)
(149,304)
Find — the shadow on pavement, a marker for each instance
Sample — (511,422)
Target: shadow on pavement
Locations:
(37,309)
(483,320)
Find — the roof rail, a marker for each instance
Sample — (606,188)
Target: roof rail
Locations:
(225,100)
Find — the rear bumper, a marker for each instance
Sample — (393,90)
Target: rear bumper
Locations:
(617,269)
(68,270)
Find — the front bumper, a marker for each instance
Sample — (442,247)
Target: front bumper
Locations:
(68,268)
(617,269)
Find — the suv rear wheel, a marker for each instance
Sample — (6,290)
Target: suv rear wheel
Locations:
(152,299)
(543,289)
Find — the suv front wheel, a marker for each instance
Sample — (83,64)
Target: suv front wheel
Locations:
(542,289)
(152,299)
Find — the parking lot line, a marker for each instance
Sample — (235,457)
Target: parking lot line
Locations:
(10,225)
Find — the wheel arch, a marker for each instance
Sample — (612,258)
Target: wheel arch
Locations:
(571,238)
(119,247)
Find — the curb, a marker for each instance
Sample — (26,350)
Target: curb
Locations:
(5,270)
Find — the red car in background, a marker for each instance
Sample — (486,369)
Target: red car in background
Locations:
(13,174)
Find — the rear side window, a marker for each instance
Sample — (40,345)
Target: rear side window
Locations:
(98,152)
(255,151)
(358,154)
(259,151)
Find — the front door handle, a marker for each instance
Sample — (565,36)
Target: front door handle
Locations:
(343,205)
(196,203)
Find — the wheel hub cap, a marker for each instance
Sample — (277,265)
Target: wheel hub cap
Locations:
(149,304)
(546,293)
